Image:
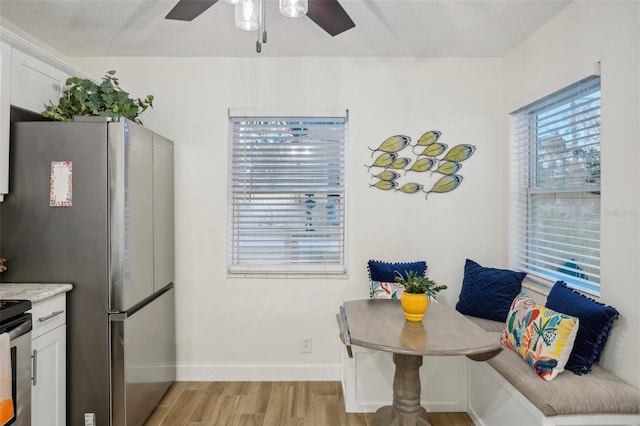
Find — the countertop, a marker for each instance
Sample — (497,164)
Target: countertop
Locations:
(36,292)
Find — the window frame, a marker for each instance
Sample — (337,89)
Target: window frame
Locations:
(528,194)
(329,229)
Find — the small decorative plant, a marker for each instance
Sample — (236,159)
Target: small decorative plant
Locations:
(415,284)
(3,265)
(107,99)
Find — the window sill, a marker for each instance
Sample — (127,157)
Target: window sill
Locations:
(543,286)
(280,276)
(537,285)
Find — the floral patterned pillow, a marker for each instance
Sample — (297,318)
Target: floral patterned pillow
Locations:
(382,290)
(543,337)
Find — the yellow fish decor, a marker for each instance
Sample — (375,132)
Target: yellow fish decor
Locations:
(429,138)
(385,185)
(387,175)
(428,155)
(434,149)
(400,163)
(383,160)
(421,165)
(410,188)
(445,184)
(393,144)
(459,153)
(448,167)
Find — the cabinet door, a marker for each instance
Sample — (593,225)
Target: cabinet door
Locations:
(48,385)
(5,95)
(34,83)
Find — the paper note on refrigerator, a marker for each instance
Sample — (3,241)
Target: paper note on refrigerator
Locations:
(61,186)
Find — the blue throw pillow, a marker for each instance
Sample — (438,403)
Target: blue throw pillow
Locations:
(596,321)
(488,292)
(387,272)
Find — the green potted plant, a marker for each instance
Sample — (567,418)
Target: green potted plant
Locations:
(107,99)
(417,291)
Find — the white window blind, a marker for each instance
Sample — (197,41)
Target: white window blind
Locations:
(287,194)
(555,216)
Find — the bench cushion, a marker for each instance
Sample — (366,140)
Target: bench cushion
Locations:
(599,392)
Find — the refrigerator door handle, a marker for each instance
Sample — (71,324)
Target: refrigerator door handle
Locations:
(118,316)
(121,316)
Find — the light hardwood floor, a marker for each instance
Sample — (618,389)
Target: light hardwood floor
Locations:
(266,404)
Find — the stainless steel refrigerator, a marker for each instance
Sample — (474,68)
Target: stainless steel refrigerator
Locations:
(91,203)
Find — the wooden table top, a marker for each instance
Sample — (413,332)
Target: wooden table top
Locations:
(380,324)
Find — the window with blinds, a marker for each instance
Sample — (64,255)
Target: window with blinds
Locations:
(555,217)
(287,194)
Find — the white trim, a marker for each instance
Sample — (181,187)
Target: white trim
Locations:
(258,372)
(289,112)
(39,53)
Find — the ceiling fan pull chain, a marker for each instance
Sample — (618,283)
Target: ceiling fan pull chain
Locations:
(264,23)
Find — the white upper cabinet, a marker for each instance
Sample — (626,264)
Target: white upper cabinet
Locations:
(29,79)
(34,83)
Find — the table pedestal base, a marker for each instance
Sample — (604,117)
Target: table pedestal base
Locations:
(406,409)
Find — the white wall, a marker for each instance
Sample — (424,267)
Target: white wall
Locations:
(250,328)
(558,54)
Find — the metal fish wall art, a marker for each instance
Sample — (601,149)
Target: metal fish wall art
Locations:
(400,163)
(387,175)
(383,160)
(427,154)
(448,167)
(393,144)
(434,149)
(421,165)
(385,185)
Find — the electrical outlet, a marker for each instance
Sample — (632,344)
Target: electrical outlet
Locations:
(305,345)
(89,419)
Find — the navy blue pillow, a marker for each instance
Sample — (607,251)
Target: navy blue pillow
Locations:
(596,321)
(386,272)
(488,292)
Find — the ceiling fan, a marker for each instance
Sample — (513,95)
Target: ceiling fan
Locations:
(327,14)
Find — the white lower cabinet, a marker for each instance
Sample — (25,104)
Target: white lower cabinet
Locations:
(48,345)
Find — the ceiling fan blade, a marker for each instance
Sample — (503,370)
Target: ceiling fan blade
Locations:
(188,10)
(330,16)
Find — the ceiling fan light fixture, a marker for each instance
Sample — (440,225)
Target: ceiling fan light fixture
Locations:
(247,15)
(294,8)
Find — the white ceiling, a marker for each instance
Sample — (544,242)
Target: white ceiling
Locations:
(421,28)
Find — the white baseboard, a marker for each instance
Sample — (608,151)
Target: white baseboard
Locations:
(277,372)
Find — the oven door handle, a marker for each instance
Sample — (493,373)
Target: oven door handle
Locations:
(34,367)
(23,328)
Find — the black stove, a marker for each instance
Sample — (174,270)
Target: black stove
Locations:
(11,308)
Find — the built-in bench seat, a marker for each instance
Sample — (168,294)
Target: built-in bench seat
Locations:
(506,391)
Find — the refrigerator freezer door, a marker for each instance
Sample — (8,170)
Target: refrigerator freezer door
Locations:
(143,355)
(131,161)
(65,244)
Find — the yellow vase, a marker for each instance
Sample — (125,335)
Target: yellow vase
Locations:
(414,305)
